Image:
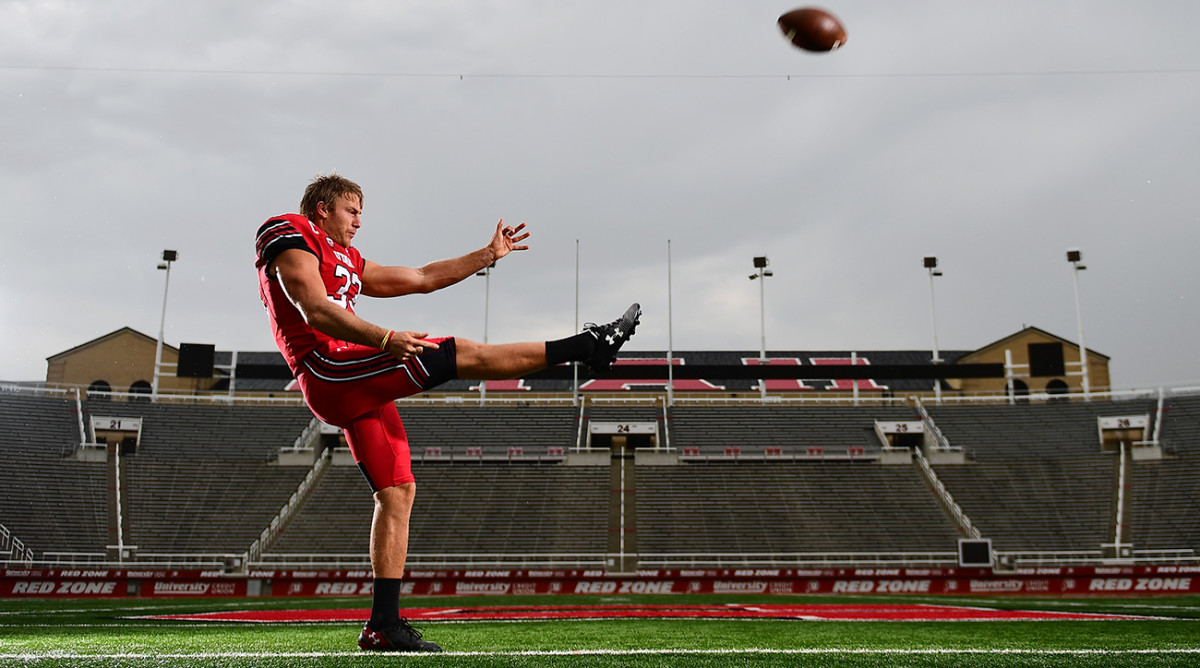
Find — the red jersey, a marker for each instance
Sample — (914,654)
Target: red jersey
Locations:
(341,271)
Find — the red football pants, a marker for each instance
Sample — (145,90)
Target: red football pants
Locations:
(354,387)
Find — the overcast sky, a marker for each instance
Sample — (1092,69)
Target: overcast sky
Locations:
(994,136)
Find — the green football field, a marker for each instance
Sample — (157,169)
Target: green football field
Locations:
(77,632)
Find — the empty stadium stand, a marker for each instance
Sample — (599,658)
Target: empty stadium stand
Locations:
(1165,493)
(1035,478)
(519,509)
(49,501)
(202,479)
(205,479)
(788,507)
(754,426)
(335,518)
(495,426)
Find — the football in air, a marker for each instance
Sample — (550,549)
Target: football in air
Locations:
(813,29)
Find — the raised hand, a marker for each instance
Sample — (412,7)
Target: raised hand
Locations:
(507,239)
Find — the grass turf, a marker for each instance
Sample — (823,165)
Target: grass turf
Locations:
(103,633)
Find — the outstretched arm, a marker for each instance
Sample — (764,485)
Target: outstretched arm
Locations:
(300,275)
(381,281)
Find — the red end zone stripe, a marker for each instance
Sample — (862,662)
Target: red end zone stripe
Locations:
(829,612)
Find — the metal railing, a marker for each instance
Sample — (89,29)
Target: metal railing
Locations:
(727,397)
(797,559)
(307,439)
(235,564)
(419,561)
(281,519)
(1149,557)
(932,429)
(12,550)
(964,522)
(214,561)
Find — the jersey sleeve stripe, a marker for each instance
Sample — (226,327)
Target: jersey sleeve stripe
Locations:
(276,236)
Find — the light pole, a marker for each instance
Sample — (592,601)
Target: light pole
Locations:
(760,263)
(670,336)
(486,273)
(575,365)
(168,257)
(931,266)
(1075,257)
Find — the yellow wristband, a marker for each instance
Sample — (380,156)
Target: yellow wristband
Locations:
(386,337)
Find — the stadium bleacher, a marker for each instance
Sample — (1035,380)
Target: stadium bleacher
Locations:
(753,427)
(49,501)
(1036,478)
(1165,493)
(462,509)
(788,507)
(201,480)
(495,426)
(205,478)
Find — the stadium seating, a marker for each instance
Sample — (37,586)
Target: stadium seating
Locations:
(1036,478)
(201,480)
(495,427)
(788,507)
(624,412)
(206,479)
(335,518)
(1165,493)
(518,508)
(48,500)
(753,427)
(250,434)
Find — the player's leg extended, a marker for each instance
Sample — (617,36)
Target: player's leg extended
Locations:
(596,347)
(480,361)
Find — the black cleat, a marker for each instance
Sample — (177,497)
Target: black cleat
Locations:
(610,338)
(399,638)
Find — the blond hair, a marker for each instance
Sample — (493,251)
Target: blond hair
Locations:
(327,188)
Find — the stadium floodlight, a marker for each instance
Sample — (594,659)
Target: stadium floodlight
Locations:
(1075,257)
(931,267)
(168,257)
(760,263)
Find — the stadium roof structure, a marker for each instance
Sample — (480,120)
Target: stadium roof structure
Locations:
(731,371)
(1025,331)
(880,371)
(115,334)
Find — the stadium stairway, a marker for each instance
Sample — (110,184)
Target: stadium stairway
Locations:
(1036,479)
(622,509)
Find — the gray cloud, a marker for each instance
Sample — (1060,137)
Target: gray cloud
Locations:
(994,137)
